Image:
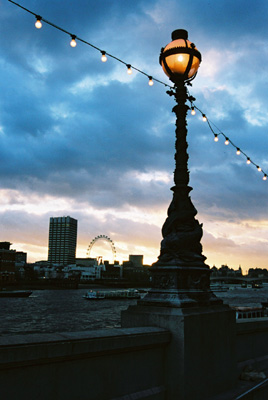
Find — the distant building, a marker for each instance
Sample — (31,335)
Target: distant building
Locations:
(7,262)
(21,258)
(62,240)
(5,245)
(111,271)
(136,260)
(135,271)
(87,269)
(86,262)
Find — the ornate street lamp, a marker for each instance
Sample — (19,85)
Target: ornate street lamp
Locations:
(180,300)
(180,277)
(180,59)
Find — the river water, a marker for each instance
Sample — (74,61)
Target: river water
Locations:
(66,311)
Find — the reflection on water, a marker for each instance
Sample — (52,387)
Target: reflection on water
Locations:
(66,310)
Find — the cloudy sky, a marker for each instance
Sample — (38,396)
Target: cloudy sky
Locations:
(83,138)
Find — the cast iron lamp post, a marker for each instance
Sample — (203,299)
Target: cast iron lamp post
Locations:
(180,277)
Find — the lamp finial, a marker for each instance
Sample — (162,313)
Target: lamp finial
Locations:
(179,34)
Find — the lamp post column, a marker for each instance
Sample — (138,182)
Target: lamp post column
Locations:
(181,173)
(181,231)
(180,277)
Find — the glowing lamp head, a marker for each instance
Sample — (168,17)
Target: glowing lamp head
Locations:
(151,82)
(103,56)
(38,23)
(73,41)
(180,59)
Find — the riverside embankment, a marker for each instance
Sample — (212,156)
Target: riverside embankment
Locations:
(59,355)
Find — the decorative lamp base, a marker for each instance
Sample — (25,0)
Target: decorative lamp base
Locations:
(180,286)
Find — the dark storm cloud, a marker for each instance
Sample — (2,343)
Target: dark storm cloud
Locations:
(93,145)
(18,226)
(62,132)
(226,19)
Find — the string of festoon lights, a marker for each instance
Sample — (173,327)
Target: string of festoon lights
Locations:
(227,140)
(104,57)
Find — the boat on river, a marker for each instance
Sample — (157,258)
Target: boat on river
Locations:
(126,294)
(217,287)
(15,293)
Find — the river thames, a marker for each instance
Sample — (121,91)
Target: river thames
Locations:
(48,311)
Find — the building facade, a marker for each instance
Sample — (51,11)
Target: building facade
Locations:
(62,240)
(7,263)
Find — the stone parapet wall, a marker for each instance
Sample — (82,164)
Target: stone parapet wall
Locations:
(251,339)
(131,362)
(97,365)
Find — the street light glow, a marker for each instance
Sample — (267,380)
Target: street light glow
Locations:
(73,41)
(38,23)
(180,59)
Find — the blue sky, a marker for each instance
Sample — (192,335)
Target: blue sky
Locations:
(83,138)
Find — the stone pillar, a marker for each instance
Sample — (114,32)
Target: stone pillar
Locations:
(200,361)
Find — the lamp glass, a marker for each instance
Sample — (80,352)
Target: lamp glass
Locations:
(73,43)
(38,24)
(103,57)
(178,62)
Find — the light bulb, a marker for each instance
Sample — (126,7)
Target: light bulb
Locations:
(151,82)
(180,58)
(216,139)
(264,177)
(258,168)
(226,141)
(238,151)
(73,42)
(248,161)
(38,23)
(193,111)
(129,70)
(204,118)
(103,57)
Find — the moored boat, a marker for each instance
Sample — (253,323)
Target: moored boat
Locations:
(217,287)
(250,312)
(15,293)
(112,294)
